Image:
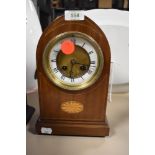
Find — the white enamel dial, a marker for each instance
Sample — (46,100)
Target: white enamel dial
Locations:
(74,70)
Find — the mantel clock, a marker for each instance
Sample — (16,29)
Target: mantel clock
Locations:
(73,66)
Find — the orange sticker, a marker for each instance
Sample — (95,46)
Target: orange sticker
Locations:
(67,47)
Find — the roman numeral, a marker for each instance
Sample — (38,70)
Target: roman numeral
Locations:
(73,40)
(83,44)
(92,62)
(56,51)
(92,66)
(54,60)
(63,77)
(55,70)
(90,71)
(72,79)
(82,78)
(90,52)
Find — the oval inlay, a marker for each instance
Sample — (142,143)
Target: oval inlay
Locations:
(72,107)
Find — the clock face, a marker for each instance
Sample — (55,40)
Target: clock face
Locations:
(73,61)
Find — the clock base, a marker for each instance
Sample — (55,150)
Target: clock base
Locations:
(72,128)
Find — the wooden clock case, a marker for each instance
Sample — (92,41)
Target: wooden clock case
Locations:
(92,120)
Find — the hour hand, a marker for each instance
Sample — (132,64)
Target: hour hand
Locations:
(71,72)
(83,67)
(75,62)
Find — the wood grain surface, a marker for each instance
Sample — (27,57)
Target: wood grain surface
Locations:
(91,121)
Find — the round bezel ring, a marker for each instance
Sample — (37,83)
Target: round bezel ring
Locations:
(51,75)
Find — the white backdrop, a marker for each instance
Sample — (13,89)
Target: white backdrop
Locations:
(114,24)
(33,33)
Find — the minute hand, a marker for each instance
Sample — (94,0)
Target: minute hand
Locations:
(71,70)
(81,64)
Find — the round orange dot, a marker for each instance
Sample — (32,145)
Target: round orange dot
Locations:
(67,47)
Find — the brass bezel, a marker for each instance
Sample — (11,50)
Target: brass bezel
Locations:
(62,84)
